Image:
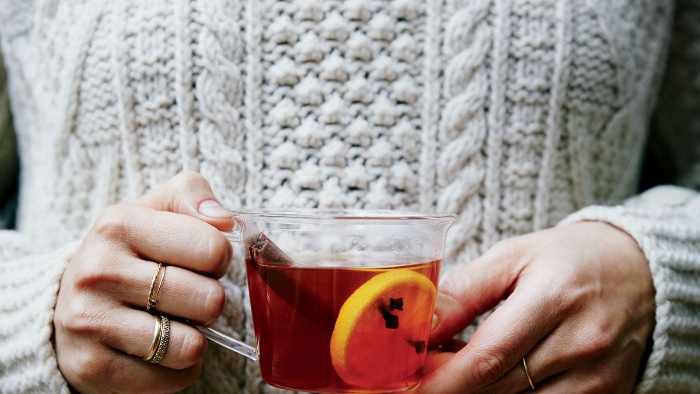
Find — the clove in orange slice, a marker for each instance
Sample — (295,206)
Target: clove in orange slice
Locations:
(380,335)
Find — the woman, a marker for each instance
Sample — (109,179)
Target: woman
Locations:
(138,122)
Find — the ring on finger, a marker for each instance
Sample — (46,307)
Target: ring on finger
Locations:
(527,373)
(153,291)
(156,339)
(161,338)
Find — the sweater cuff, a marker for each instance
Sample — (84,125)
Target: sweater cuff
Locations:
(28,293)
(666,225)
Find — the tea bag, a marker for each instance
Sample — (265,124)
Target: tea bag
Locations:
(263,251)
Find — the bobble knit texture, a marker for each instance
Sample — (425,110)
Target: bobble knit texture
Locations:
(513,114)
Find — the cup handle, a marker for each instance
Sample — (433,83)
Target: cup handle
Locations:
(233,236)
(229,343)
(224,340)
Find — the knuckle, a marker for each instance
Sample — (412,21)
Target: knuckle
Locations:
(570,292)
(222,254)
(90,273)
(449,293)
(490,366)
(566,299)
(93,367)
(513,252)
(604,381)
(189,180)
(188,176)
(192,349)
(216,249)
(600,338)
(505,245)
(201,245)
(113,222)
(79,318)
(509,248)
(91,276)
(214,300)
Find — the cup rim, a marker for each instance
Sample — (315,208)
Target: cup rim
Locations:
(368,215)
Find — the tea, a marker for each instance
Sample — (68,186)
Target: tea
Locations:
(303,343)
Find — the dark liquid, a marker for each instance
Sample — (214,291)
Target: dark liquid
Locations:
(294,313)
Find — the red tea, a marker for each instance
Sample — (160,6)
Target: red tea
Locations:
(295,308)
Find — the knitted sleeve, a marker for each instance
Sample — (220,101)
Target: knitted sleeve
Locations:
(28,287)
(665,220)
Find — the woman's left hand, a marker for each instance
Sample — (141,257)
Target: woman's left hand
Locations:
(578,307)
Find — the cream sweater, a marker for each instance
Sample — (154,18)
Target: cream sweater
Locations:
(516,115)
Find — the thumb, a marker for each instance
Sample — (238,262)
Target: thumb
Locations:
(189,193)
(471,291)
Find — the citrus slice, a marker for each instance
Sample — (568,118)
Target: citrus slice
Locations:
(381,332)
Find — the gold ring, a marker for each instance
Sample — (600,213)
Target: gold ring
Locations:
(527,373)
(156,339)
(160,284)
(163,341)
(151,304)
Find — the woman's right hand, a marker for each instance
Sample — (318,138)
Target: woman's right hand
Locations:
(102,328)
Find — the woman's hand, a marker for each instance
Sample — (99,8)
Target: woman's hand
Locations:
(102,328)
(579,307)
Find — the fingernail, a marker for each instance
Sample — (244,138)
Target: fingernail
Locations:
(213,209)
(435,322)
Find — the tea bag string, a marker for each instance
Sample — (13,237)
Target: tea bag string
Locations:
(265,253)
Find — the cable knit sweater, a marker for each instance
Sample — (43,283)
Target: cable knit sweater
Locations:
(515,114)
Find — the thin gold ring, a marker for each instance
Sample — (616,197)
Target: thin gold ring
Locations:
(156,339)
(160,284)
(163,341)
(151,303)
(527,373)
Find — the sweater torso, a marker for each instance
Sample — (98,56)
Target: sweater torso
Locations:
(511,114)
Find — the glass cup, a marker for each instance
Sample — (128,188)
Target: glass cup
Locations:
(342,300)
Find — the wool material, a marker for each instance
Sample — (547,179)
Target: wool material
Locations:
(515,115)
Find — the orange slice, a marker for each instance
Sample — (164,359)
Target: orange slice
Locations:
(382,329)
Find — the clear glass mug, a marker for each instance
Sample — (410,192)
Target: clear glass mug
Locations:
(342,300)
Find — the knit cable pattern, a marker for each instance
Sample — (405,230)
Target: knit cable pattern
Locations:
(511,113)
(463,125)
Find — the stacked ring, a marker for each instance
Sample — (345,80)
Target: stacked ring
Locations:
(161,337)
(153,291)
(156,339)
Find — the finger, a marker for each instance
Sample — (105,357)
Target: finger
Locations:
(539,366)
(439,356)
(516,380)
(497,345)
(577,381)
(177,292)
(132,332)
(96,369)
(165,237)
(189,193)
(436,359)
(558,352)
(598,370)
(473,290)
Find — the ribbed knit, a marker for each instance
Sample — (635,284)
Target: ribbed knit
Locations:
(664,222)
(515,115)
